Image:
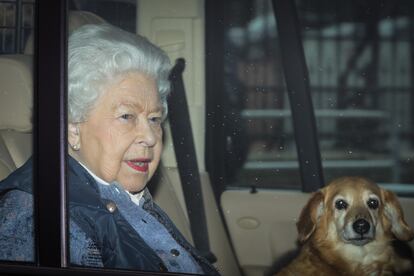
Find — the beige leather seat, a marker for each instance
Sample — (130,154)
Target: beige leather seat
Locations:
(16,101)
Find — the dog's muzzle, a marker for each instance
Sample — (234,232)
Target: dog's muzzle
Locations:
(359,232)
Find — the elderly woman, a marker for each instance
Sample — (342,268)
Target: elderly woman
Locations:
(118,87)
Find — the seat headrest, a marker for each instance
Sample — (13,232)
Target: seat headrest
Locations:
(16,92)
(76,20)
(79,18)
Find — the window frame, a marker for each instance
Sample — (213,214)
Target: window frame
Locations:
(50,145)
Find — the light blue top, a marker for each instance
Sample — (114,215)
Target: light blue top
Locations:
(175,258)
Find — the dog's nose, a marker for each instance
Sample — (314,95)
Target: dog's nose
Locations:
(361,226)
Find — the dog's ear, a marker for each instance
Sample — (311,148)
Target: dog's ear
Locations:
(309,216)
(394,213)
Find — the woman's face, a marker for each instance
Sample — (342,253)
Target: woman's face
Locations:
(121,139)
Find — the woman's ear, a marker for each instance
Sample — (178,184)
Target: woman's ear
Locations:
(74,136)
(394,213)
(309,216)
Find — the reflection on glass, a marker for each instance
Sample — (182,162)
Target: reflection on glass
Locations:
(261,150)
(16,101)
(360,67)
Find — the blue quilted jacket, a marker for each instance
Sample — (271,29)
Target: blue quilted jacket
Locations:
(99,236)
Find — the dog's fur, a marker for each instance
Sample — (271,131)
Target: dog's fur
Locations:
(332,243)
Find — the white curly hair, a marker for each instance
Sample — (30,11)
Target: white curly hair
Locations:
(100,53)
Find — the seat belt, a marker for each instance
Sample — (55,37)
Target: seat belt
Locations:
(181,131)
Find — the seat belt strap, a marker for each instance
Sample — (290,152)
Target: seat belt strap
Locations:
(181,131)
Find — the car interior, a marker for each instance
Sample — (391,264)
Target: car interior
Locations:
(251,230)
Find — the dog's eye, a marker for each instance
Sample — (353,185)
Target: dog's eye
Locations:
(341,204)
(372,203)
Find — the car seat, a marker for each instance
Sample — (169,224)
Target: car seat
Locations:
(16,102)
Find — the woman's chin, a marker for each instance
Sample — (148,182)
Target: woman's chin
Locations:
(134,183)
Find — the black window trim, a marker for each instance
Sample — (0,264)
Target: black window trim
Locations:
(16,269)
(50,132)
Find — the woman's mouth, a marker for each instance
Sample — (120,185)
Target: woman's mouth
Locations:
(140,165)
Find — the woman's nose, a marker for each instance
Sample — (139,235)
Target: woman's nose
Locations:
(145,134)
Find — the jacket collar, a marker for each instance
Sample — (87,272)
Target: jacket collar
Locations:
(82,188)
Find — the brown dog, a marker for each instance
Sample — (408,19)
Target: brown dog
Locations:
(347,228)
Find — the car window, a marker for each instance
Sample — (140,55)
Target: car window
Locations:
(358,57)
(250,112)
(16,25)
(360,71)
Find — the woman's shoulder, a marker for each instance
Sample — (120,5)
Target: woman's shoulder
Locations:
(20,179)
(16,215)
(16,202)
(16,210)
(16,226)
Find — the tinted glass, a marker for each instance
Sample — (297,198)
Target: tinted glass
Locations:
(359,56)
(253,121)
(359,61)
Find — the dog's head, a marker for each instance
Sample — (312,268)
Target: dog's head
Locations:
(353,210)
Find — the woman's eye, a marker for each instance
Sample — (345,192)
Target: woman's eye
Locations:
(373,203)
(155,120)
(127,117)
(341,204)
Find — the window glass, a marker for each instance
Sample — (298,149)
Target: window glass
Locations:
(359,57)
(8,22)
(16,25)
(256,124)
(16,104)
(360,68)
